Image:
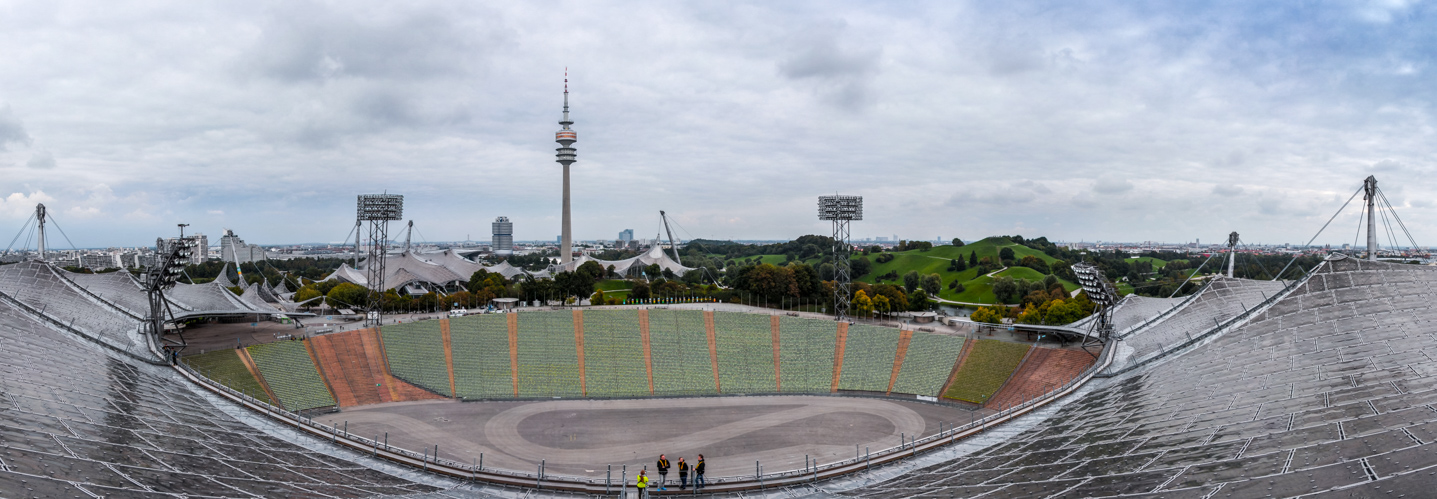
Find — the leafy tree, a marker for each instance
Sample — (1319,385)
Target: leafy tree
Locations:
(918,301)
(1006,289)
(1034,263)
(881,305)
(911,281)
(933,284)
(896,298)
(347,295)
(826,272)
(957,242)
(986,315)
(640,290)
(806,279)
(1005,254)
(957,265)
(862,305)
(861,267)
(972,258)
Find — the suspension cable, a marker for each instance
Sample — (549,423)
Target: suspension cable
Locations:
(26,225)
(1319,233)
(1190,276)
(62,233)
(1399,220)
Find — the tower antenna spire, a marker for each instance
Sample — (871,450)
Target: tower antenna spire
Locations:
(566,156)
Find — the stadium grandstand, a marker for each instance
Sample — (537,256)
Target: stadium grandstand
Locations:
(1318,386)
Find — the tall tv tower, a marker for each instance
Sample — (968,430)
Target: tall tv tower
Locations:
(567,156)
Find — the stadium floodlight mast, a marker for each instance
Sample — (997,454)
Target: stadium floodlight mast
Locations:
(1103,295)
(840,210)
(171,256)
(378,210)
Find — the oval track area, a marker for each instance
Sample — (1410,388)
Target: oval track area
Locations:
(582,437)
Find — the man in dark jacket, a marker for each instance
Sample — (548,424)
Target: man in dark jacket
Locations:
(683,474)
(699,481)
(663,467)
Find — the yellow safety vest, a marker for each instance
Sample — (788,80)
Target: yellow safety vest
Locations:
(643,481)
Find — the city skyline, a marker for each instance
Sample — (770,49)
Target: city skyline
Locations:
(1071,121)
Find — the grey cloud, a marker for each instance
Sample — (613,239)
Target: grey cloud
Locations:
(1387,166)
(41,160)
(12,131)
(1112,186)
(1226,190)
(841,70)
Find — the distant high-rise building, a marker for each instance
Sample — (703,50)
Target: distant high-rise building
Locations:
(234,250)
(625,236)
(503,236)
(202,248)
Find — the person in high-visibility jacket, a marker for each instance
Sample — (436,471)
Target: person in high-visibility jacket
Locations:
(641,482)
(699,481)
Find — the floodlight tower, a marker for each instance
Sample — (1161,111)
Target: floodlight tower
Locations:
(1102,294)
(566,156)
(171,256)
(1369,188)
(378,210)
(840,210)
(1231,252)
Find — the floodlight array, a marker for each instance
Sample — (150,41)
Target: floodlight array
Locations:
(1093,283)
(840,207)
(378,207)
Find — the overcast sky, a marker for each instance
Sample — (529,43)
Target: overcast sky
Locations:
(1130,121)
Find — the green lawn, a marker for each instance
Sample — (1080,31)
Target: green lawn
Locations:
(613,284)
(1158,264)
(990,364)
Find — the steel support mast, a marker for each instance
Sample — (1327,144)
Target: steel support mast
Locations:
(1231,252)
(672,244)
(841,210)
(1369,188)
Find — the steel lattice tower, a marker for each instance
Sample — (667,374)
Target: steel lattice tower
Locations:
(378,210)
(841,210)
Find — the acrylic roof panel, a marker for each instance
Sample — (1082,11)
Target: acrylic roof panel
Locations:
(1324,391)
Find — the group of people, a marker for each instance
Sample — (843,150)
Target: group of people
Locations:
(663,469)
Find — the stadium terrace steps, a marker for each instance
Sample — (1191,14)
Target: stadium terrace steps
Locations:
(745,353)
(841,342)
(482,368)
(1044,369)
(226,367)
(548,359)
(679,352)
(358,378)
(929,360)
(415,351)
(648,348)
(905,337)
(290,372)
(1221,300)
(446,333)
(868,358)
(614,354)
(990,364)
(806,348)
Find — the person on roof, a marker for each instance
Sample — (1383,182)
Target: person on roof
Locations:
(663,467)
(641,482)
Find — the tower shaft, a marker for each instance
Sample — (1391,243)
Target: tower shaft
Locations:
(566,156)
(566,238)
(1370,188)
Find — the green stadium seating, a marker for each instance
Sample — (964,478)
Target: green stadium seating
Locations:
(614,354)
(805,353)
(226,367)
(290,372)
(482,367)
(989,365)
(679,348)
(416,354)
(928,363)
(868,358)
(548,361)
(745,353)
